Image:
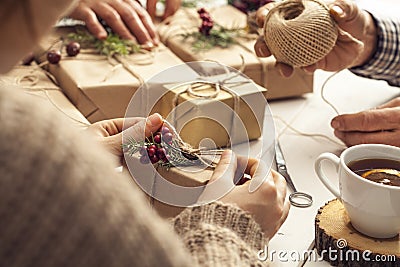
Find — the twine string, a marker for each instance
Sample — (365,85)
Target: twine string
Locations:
(300,33)
(33,80)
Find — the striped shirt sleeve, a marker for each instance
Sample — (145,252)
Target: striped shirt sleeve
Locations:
(385,63)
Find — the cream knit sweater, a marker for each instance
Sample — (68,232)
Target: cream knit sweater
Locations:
(62,204)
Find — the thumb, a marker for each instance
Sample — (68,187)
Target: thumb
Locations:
(226,167)
(144,127)
(221,182)
(348,16)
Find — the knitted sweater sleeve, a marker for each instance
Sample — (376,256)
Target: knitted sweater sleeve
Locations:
(219,234)
(62,202)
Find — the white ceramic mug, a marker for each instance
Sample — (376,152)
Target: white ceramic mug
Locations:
(373,208)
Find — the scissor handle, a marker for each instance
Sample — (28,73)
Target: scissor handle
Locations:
(300,199)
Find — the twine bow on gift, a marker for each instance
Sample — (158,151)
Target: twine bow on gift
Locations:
(195,88)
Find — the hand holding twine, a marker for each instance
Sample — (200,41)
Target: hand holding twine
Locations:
(300,32)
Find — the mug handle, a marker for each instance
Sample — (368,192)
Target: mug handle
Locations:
(321,175)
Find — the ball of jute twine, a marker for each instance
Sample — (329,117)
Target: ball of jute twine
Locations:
(300,32)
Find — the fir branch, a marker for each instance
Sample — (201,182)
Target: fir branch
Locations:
(112,45)
(189,3)
(219,37)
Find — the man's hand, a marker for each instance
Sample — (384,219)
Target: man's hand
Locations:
(380,125)
(355,44)
(127,18)
(268,204)
(109,132)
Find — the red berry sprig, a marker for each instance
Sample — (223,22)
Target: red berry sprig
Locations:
(161,148)
(155,150)
(207,22)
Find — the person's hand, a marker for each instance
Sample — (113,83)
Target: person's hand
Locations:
(109,132)
(268,204)
(380,125)
(171,6)
(127,18)
(355,44)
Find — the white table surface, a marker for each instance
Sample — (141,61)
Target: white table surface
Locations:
(349,93)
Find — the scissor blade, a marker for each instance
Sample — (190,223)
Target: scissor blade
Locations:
(281,166)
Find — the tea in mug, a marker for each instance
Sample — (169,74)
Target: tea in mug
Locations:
(382,171)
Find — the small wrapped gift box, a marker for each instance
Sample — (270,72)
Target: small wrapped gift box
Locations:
(260,70)
(35,81)
(169,190)
(210,114)
(102,87)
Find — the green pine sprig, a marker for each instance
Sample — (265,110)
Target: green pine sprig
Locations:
(219,37)
(112,45)
(177,157)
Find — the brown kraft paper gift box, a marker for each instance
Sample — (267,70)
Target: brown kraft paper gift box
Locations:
(99,87)
(261,70)
(234,115)
(151,179)
(33,80)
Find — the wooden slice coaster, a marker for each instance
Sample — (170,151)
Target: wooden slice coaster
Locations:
(340,244)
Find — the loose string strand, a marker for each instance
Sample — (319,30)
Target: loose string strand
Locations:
(314,135)
(323,88)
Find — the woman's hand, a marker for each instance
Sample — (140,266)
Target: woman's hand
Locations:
(267,204)
(355,44)
(127,18)
(109,132)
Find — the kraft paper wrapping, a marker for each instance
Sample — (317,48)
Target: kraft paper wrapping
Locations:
(34,81)
(102,88)
(261,70)
(151,179)
(225,119)
(182,178)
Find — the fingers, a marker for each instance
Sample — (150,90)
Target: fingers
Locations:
(225,168)
(280,183)
(139,129)
(262,13)
(281,186)
(111,16)
(148,32)
(171,6)
(249,165)
(368,121)
(383,137)
(126,18)
(151,8)
(261,48)
(86,14)
(284,69)
(259,177)
(372,126)
(221,181)
(345,13)
(391,104)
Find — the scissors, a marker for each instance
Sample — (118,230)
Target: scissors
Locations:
(296,198)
